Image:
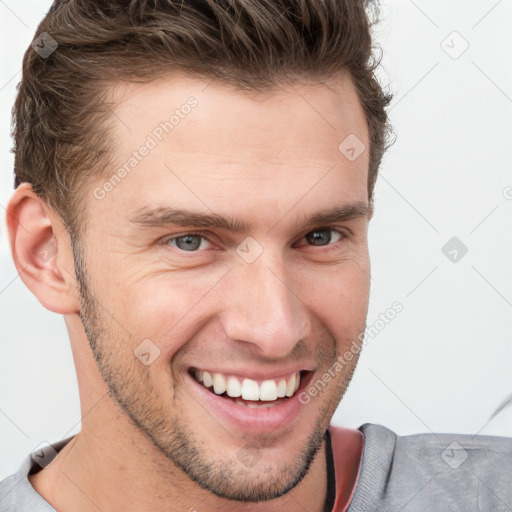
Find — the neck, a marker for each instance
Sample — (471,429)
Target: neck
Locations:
(110,465)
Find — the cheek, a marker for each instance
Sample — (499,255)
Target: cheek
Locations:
(342,291)
(165,308)
(340,304)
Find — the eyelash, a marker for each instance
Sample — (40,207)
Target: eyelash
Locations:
(165,241)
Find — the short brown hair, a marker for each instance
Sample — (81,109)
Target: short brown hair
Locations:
(60,116)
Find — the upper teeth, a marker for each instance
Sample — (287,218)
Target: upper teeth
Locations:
(250,389)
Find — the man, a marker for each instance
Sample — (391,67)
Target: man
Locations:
(194,182)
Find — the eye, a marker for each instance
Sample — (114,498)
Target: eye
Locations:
(189,242)
(194,242)
(323,237)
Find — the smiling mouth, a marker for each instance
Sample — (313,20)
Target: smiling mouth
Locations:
(248,392)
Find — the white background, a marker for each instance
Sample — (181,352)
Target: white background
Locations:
(444,363)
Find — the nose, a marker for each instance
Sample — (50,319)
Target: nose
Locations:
(261,308)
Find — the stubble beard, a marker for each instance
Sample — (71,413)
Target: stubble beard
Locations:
(129,385)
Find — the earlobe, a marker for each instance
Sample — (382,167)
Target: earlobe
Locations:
(41,250)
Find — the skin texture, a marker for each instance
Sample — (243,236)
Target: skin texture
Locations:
(148,442)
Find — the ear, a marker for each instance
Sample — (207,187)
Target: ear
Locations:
(41,250)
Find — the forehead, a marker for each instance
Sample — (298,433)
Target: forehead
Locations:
(221,110)
(193,142)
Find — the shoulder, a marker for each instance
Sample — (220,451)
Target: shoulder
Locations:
(434,471)
(449,453)
(17,494)
(16,491)
(6,493)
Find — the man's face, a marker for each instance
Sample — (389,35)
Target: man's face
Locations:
(253,306)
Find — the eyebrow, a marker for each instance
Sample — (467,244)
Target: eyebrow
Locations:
(161,216)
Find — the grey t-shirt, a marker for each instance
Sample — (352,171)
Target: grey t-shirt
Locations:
(414,473)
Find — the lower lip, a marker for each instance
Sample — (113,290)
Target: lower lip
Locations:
(263,419)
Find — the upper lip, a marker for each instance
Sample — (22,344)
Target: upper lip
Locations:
(245,373)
